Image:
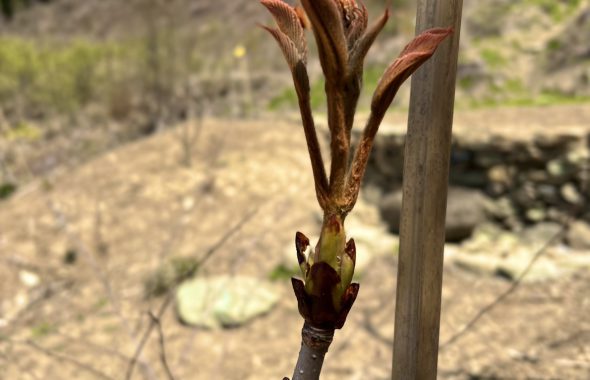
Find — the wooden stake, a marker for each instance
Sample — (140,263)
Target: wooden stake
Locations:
(426,172)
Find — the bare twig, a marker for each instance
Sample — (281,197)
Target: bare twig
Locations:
(63,223)
(513,287)
(170,295)
(163,358)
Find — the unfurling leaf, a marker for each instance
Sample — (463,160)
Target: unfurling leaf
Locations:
(288,47)
(413,55)
(326,20)
(361,47)
(291,22)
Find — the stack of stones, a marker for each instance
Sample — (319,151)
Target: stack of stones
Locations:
(531,177)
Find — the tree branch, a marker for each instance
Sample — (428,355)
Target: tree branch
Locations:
(171,292)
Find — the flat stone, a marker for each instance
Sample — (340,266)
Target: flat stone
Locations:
(539,233)
(479,264)
(222,301)
(514,266)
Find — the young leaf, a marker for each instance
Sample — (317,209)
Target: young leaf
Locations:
(326,21)
(290,22)
(412,57)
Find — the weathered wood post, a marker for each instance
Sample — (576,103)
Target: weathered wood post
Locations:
(422,229)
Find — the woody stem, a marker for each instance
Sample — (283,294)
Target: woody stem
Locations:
(314,346)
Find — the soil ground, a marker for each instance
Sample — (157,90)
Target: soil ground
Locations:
(93,233)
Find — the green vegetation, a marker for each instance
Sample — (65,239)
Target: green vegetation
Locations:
(6,190)
(283,272)
(493,58)
(42,329)
(101,303)
(558,10)
(288,98)
(545,98)
(554,45)
(48,76)
(169,274)
(40,77)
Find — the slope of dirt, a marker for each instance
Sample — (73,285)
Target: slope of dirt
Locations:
(93,234)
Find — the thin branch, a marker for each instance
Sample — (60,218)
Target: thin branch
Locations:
(170,295)
(515,285)
(64,224)
(163,358)
(146,334)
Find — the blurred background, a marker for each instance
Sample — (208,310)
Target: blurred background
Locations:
(153,173)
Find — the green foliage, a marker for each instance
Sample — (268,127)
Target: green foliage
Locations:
(7,189)
(371,77)
(63,77)
(172,272)
(286,99)
(23,132)
(466,83)
(558,10)
(554,45)
(283,272)
(493,58)
(42,329)
(525,99)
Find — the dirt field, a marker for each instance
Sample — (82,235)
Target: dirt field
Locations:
(93,233)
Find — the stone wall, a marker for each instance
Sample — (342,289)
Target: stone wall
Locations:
(529,173)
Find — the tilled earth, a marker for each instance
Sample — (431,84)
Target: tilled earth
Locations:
(92,234)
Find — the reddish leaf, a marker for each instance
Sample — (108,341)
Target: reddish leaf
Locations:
(289,22)
(326,21)
(360,49)
(292,55)
(302,298)
(348,299)
(412,57)
(355,18)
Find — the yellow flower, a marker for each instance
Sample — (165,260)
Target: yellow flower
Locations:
(239,51)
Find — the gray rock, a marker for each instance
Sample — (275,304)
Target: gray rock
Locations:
(548,193)
(224,301)
(465,210)
(578,235)
(514,266)
(525,196)
(479,264)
